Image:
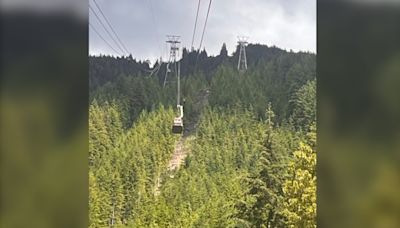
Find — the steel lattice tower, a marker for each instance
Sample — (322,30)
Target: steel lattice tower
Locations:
(242,63)
(174,42)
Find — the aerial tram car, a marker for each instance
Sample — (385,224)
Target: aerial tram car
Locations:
(177,126)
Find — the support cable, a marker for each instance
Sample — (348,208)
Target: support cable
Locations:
(195,23)
(109,24)
(105,41)
(202,35)
(105,28)
(205,24)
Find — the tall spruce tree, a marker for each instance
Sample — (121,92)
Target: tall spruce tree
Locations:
(265,195)
(300,188)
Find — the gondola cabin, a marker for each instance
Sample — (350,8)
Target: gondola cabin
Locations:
(177,127)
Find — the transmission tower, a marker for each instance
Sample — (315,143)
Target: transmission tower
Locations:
(173,42)
(242,63)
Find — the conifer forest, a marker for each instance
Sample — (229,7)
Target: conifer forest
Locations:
(247,154)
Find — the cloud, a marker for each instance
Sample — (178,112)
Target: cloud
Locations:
(143,24)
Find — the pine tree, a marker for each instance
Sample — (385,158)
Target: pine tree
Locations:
(94,202)
(240,152)
(263,208)
(304,106)
(300,189)
(224,52)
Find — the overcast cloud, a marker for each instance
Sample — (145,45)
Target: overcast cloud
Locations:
(288,24)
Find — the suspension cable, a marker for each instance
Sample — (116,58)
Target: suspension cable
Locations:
(105,41)
(205,25)
(105,28)
(202,35)
(112,29)
(195,22)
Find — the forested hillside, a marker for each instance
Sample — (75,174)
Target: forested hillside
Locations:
(252,154)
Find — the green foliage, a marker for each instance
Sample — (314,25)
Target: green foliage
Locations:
(304,106)
(276,81)
(204,192)
(244,168)
(263,200)
(124,165)
(300,207)
(103,69)
(104,129)
(274,75)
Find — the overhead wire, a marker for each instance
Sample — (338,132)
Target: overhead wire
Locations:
(195,23)
(205,25)
(105,41)
(105,28)
(109,24)
(202,35)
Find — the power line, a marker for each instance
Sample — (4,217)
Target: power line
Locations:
(205,24)
(195,22)
(105,41)
(105,28)
(112,29)
(202,35)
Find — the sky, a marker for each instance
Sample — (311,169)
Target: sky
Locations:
(142,25)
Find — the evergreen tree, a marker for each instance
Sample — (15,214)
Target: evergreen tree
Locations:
(300,189)
(224,52)
(240,170)
(264,195)
(304,106)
